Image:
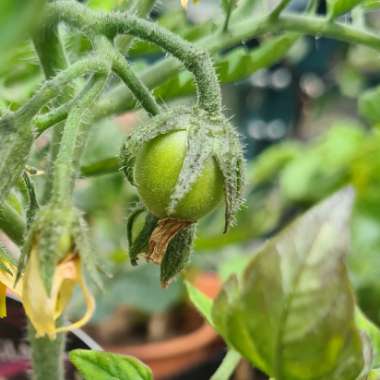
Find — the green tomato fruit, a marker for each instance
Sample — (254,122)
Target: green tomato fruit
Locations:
(157,166)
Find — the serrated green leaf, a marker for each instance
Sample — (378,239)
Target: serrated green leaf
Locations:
(94,365)
(339,7)
(202,303)
(292,314)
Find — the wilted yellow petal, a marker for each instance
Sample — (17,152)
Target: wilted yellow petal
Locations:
(3,296)
(43,309)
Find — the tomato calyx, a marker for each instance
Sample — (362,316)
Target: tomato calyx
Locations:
(161,237)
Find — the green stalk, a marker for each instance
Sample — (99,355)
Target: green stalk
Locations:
(52,59)
(195,60)
(72,140)
(51,88)
(120,99)
(280,7)
(47,356)
(127,75)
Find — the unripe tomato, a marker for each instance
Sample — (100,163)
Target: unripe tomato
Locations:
(157,166)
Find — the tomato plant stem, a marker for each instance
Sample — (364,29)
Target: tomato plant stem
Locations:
(47,356)
(195,59)
(73,136)
(53,59)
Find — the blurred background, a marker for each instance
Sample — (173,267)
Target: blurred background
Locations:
(304,138)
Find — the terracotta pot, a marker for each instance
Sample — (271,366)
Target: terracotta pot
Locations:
(172,356)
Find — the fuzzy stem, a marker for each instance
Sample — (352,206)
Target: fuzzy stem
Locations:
(121,99)
(195,60)
(50,88)
(142,9)
(65,168)
(132,81)
(45,356)
(52,59)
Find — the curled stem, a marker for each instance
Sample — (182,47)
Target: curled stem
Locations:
(127,75)
(195,59)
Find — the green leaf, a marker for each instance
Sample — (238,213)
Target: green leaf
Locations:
(292,314)
(371,4)
(17,17)
(228,366)
(369,105)
(202,303)
(339,7)
(374,375)
(107,5)
(267,166)
(94,365)
(372,332)
(325,166)
(240,63)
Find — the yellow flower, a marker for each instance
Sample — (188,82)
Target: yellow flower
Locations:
(7,281)
(44,309)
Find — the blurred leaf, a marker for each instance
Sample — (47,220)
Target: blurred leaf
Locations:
(17,17)
(267,166)
(371,4)
(139,288)
(107,5)
(374,375)
(303,328)
(228,366)
(369,105)
(202,303)
(325,166)
(236,65)
(373,333)
(94,365)
(338,7)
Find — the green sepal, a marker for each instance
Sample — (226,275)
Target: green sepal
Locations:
(51,235)
(139,244)
(177,255)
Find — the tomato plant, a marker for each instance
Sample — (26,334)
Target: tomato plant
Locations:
(289,309)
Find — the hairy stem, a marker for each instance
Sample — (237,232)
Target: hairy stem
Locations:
(132,81)
(121,99)
(52,59)
(65,164)
(195,60)
(47,356)
(51,88)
